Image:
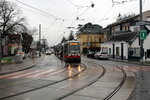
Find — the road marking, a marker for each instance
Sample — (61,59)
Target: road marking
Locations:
(24,75)
(14,74)
(32,74)
(46,74)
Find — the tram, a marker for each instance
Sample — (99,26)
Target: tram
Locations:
(69,51)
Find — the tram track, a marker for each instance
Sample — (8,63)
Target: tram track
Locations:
(108,97)
(55,82)
(119,86)
(84,86)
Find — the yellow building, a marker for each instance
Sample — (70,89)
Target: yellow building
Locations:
(90,37)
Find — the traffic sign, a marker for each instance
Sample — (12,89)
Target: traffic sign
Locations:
(143,34)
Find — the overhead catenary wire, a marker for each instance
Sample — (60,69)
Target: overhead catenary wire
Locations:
(58,32)
(113,4)
(121,2)
(54,17)
(71,2)
(38,13)
(79,7)
(84,12)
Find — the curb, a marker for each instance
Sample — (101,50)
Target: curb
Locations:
(132,62)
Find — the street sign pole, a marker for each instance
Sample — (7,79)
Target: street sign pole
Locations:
(142,87)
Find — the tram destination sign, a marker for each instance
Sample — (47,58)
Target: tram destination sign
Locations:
(73,43)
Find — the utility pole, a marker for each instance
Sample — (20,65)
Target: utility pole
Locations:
(40,40)
(141,28)
(142,86)
(0,50)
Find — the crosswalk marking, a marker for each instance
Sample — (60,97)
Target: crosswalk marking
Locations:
(45,74)
(32,74)
(28,74)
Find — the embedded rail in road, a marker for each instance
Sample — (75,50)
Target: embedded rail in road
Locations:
(43,86)
(84,86)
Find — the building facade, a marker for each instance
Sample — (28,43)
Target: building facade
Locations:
(122,38)
(90,37)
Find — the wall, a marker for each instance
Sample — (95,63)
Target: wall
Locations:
(146,45)
(93,38)
(117,44)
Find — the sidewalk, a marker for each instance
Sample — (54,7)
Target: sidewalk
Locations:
(133,62)
(14,67)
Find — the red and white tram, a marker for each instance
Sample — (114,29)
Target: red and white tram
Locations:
(71,51)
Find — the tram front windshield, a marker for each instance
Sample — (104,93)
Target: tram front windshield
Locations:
(74,49)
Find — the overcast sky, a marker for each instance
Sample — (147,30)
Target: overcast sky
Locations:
(103,13)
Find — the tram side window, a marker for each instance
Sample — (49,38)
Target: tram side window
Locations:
(148,53)
(65,49)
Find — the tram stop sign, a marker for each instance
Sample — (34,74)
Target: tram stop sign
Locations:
(143,34)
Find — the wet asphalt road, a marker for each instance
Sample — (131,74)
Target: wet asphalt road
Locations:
(52,78)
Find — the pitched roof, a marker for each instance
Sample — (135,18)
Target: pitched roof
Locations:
(95,29)
(91,29)
(127,36)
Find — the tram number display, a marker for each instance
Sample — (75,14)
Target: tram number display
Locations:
(73,43)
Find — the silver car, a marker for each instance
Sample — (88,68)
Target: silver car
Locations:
(101,55)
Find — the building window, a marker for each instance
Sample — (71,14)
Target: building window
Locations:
(90,39)
(100,40)
(105,49)
(109,51)
(134,52)
(94,39)
(117,51)
(148,53)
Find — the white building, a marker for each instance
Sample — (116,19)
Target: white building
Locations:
(122,38)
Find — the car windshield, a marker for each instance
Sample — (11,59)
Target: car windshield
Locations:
(98,52)
(103,52)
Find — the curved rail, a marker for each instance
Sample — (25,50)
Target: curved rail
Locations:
(119,86)
(45,85)
(78,89)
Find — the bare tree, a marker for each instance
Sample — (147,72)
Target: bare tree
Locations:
(63,40)
(10,21)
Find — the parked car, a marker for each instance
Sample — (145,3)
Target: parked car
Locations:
(91,54)
(48,52)
(101,55)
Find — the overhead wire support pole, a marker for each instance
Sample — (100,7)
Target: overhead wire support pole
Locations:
(0,51)
(143,81)
(141,28)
